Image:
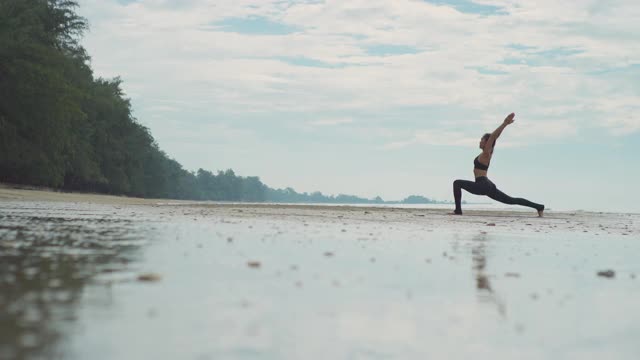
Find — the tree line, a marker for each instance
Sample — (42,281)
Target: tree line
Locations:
(62,127)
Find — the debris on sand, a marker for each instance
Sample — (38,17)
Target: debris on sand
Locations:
(491,224)
(607,273)
(253,264)
(149,277)
(328,253)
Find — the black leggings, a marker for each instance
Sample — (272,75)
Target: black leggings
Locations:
(484,186)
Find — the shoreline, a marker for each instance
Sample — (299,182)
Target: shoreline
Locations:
(435,219)
(41,193)
(13,192)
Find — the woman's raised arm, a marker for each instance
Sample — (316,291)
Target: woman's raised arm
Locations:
(496,133)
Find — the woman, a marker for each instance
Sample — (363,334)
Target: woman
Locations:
(484,186)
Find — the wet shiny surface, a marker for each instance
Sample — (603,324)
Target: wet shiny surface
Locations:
(238,283)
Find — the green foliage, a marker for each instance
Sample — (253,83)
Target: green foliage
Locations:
(289,195)
(39,103)
(59,126)
(63,128)
(417,199)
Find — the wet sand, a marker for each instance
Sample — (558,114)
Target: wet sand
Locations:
(92,276)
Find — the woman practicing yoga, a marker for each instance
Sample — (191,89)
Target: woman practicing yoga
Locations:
(484,186)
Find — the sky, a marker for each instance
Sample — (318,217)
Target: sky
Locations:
(387,97)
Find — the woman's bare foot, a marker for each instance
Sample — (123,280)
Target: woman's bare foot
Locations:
(541,212)
(455,213)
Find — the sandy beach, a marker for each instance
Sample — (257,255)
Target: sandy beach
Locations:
(598,223)
(20,193)
(104,277)
(521,116)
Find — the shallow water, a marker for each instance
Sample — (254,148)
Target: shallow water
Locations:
(232,287)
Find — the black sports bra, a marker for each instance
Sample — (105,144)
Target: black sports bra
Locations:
(480,166)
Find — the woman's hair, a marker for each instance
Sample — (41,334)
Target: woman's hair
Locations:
(486,137)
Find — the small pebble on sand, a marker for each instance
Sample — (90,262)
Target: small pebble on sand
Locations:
(149,277)
(607,273)
(253,264)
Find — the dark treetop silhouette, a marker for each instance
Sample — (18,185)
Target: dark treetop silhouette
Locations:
(61,127)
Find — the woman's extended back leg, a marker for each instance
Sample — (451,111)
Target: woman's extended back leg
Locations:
(498,195)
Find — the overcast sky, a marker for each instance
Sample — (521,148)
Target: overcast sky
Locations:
(387,97)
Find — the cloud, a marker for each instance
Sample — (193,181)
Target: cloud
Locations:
(547,60)
(331,122)
(437,137)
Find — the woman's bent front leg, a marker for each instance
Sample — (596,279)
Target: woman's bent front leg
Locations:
(470,186)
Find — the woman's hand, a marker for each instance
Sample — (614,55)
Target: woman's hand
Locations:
(509,119)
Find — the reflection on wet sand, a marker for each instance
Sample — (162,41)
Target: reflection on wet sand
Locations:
(479,258)
(223,282)
(45,263)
